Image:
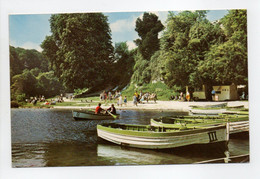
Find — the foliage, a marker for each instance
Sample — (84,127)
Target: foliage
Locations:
(16,66)
(80,91)
(123,66)
(14,104)
(226,63)
(162,90)
(29,77)
(148,28)
(24,83)
(48,85)
(80,49)
(188,37)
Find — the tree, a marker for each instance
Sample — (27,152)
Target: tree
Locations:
(188,37)
(16,66)
(48,85)
(123,66)
(148,29)
(226,63)
(24,83)
(80,49)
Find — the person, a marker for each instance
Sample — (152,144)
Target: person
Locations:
(112,109)
(213,93)
(109,96)
(181,96)
(243,95)
(98,109)
(135,100)
(142,100)
(120,100)
(137,96)
(125,101)
(188,96)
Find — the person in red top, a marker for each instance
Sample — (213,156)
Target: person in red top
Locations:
(98,109)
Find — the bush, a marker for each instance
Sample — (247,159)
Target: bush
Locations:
(14,104)
(21,97)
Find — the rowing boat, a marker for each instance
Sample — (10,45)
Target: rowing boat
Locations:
(219,105)
(237,123)
(87,115)
(156,137)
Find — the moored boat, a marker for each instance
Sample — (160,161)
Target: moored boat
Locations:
(237,123)
(218,105)
(88,115)
(155,137)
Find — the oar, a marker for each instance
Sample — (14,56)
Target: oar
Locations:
(114,116)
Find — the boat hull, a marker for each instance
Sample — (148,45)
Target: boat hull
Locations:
(78,115)
(163,140)
(236,125)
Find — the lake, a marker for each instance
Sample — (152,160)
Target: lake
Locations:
(52,138)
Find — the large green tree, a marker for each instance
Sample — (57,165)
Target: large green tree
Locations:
(80,49)
(16,66)
(29,76)
(188,37)
(148,28)
(123,66)
(226,63)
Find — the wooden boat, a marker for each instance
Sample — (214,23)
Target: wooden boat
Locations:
(84,115)
(155,137)
(219,105)
(207,111)
(237,123)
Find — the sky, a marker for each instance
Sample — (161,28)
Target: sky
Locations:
(28,31)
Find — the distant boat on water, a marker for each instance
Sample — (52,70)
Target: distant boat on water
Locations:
(90,115)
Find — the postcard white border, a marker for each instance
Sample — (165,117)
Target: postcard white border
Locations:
(163,171)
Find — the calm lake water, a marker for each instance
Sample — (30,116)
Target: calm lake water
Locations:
(51,137)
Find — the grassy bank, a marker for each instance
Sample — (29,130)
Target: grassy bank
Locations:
(162,90)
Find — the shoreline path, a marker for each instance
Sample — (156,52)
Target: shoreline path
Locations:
(162,105)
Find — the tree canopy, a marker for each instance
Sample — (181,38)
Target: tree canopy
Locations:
(148,28)
(80,49)
(197,51)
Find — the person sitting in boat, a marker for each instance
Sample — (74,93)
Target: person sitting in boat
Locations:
(112,109)
(98,109)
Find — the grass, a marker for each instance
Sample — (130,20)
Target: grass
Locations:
(162,90)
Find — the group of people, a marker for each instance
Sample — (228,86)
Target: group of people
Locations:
(182,97)
(41,98)
(140,98)
(111,109)
(104,96)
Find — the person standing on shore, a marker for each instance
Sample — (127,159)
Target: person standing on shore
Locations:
(188,96)
(125,101)
(135,100)
(120,100)
(213,93)
(109,96)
